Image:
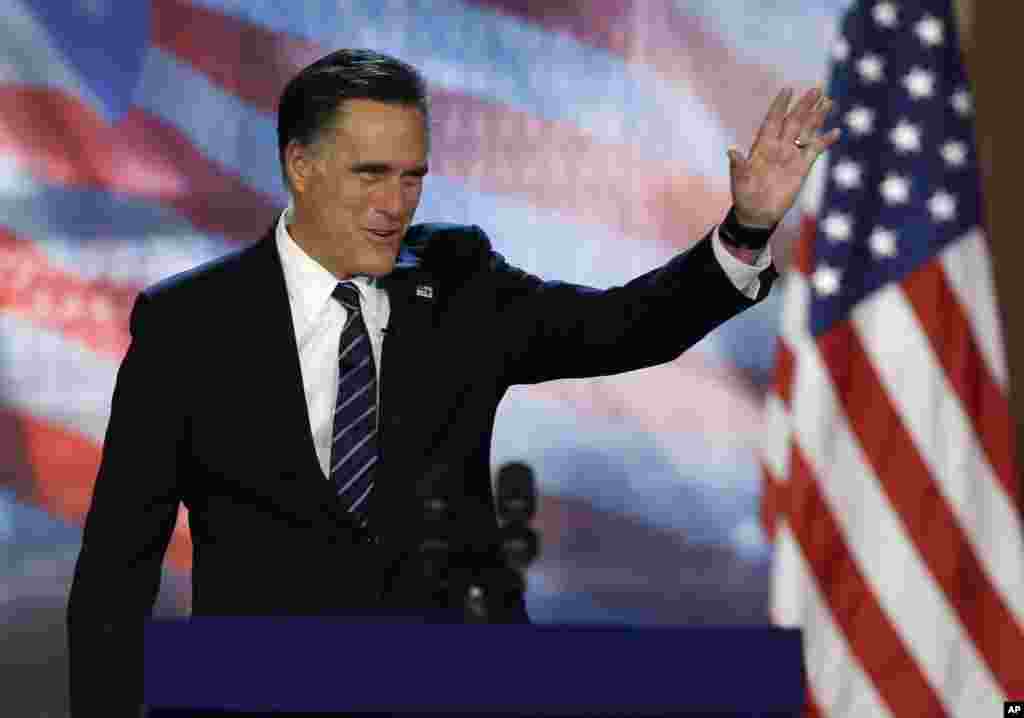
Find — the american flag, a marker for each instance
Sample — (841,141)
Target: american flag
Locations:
(891,489)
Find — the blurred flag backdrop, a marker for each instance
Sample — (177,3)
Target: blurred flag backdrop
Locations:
(891,488)
(137,139)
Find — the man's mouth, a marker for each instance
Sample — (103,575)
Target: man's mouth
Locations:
(384,234)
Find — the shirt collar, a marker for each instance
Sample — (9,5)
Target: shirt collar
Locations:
(308,282)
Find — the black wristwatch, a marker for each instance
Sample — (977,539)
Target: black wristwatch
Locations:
(734,233)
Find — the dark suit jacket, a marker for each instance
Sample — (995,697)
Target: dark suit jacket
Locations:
(209,410)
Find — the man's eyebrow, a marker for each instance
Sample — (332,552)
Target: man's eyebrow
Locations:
(380,168)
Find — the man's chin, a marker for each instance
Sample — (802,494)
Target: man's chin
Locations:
(381,265)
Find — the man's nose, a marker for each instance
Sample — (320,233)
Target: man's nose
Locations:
(388,199)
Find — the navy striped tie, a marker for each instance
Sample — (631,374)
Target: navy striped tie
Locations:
(354,447)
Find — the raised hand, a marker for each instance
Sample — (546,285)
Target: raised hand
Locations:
(765,183)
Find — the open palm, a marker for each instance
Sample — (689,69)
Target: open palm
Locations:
(765,183)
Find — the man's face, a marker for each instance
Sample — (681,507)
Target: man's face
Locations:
(357,190)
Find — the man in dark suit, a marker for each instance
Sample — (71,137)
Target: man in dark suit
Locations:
(303,395)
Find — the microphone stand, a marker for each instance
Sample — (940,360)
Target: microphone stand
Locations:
(500,572)
(480,583)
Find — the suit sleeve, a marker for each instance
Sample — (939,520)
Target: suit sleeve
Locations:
(129,524)
(557,330)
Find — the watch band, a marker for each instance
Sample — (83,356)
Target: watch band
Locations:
(734,233)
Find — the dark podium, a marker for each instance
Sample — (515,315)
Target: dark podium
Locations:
(326,666)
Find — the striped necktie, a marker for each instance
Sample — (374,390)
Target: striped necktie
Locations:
(354,447)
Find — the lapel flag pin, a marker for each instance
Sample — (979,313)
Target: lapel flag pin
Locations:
(425,291)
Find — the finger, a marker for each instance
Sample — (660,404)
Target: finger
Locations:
(830,137)
(825,141)
(801,114)
(823,108)
(771,126)
(816,120)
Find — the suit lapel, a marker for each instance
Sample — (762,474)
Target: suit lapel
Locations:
(279,354)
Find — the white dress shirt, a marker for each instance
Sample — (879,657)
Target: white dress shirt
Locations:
(318,320)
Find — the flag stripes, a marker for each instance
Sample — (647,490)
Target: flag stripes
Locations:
(167,167)
(94,313)
(917,496)
(856,530)
(55,469)
(853,603)
(947,327)
(890,461)
(833,676)
(966,267)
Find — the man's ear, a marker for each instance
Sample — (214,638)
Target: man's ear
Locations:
(298,162)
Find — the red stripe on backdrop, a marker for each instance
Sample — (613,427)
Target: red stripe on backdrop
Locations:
(217,46)
(94,313)
(675,44)
(491,147)
(927,518)
(61,140)
(55,469)
(948,329)
(218,200)
(869,633)
(64,141)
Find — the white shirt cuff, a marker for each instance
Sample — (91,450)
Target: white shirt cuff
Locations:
(743,276)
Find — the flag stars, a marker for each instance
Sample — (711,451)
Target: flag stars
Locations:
(919,83)
(826,280)
(954,152)
(961,101)
(837,226)
(883,243)
(840,49)
(860,120)
(871,68)
(884,14)
(929,30)
(895,189)
(846,174)
(906,137)
(942,206)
